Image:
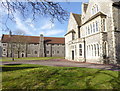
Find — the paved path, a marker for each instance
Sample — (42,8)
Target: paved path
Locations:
(64,63)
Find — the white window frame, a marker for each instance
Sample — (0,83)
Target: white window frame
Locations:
(80,50)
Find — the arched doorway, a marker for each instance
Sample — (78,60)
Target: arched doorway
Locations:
(22,55)
(72,55)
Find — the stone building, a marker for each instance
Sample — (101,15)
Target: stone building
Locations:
(32,46)
(94,35)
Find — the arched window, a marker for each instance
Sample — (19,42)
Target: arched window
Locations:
(80,49)
(96,26)
(87,50)
(104,24)
(105,48)
(95,49)
(88,30)
(93,27)
(35,52)
(94,9)
(73,35)
(98,50)
(92,49)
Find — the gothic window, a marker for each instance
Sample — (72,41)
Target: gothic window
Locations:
(96,26)
(87,50)
(94,9)
(98,50)
(93,27)
(88,30)
(105,48)
(57,51)
(47,52)
(92,49)
(35,52)
(75,50)
(80,49)
(73,36)
(104,28)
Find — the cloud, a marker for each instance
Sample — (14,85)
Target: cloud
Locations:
(21,25)
(52,32)
(47,25)
(30,24)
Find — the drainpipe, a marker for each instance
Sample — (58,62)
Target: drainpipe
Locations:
(84,50)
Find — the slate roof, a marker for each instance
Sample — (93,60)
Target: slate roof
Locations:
(94,16)
(77,18)
(31,39)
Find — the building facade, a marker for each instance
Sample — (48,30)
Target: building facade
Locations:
(94,35)
(32,46)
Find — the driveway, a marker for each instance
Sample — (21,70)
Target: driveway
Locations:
(64,63)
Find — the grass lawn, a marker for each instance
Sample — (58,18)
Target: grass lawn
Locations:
(30,58)
(28,76)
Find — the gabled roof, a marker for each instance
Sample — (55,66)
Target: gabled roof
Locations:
(116,4)
(31,39)
(77,18)
(94,16)
(72,31)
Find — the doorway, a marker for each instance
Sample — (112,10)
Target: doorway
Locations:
(22,55)
(72,55)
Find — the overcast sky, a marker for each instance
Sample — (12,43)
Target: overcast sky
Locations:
(43,25)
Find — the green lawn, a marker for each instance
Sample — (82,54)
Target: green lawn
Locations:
(45,77)
(30,58)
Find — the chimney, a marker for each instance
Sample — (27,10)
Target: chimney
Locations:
(41,38)
(41,46)
(10,33)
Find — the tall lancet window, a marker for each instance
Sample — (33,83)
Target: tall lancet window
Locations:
(96,26)
(73,35)
(104,25)
(94,9)
(105,49)
(80,49)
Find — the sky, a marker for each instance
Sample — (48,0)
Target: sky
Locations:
(44,25)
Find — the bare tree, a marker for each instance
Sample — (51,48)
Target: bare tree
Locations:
(34,7)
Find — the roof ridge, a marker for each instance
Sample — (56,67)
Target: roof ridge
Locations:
(77,18)
(34,39)
(32,36)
